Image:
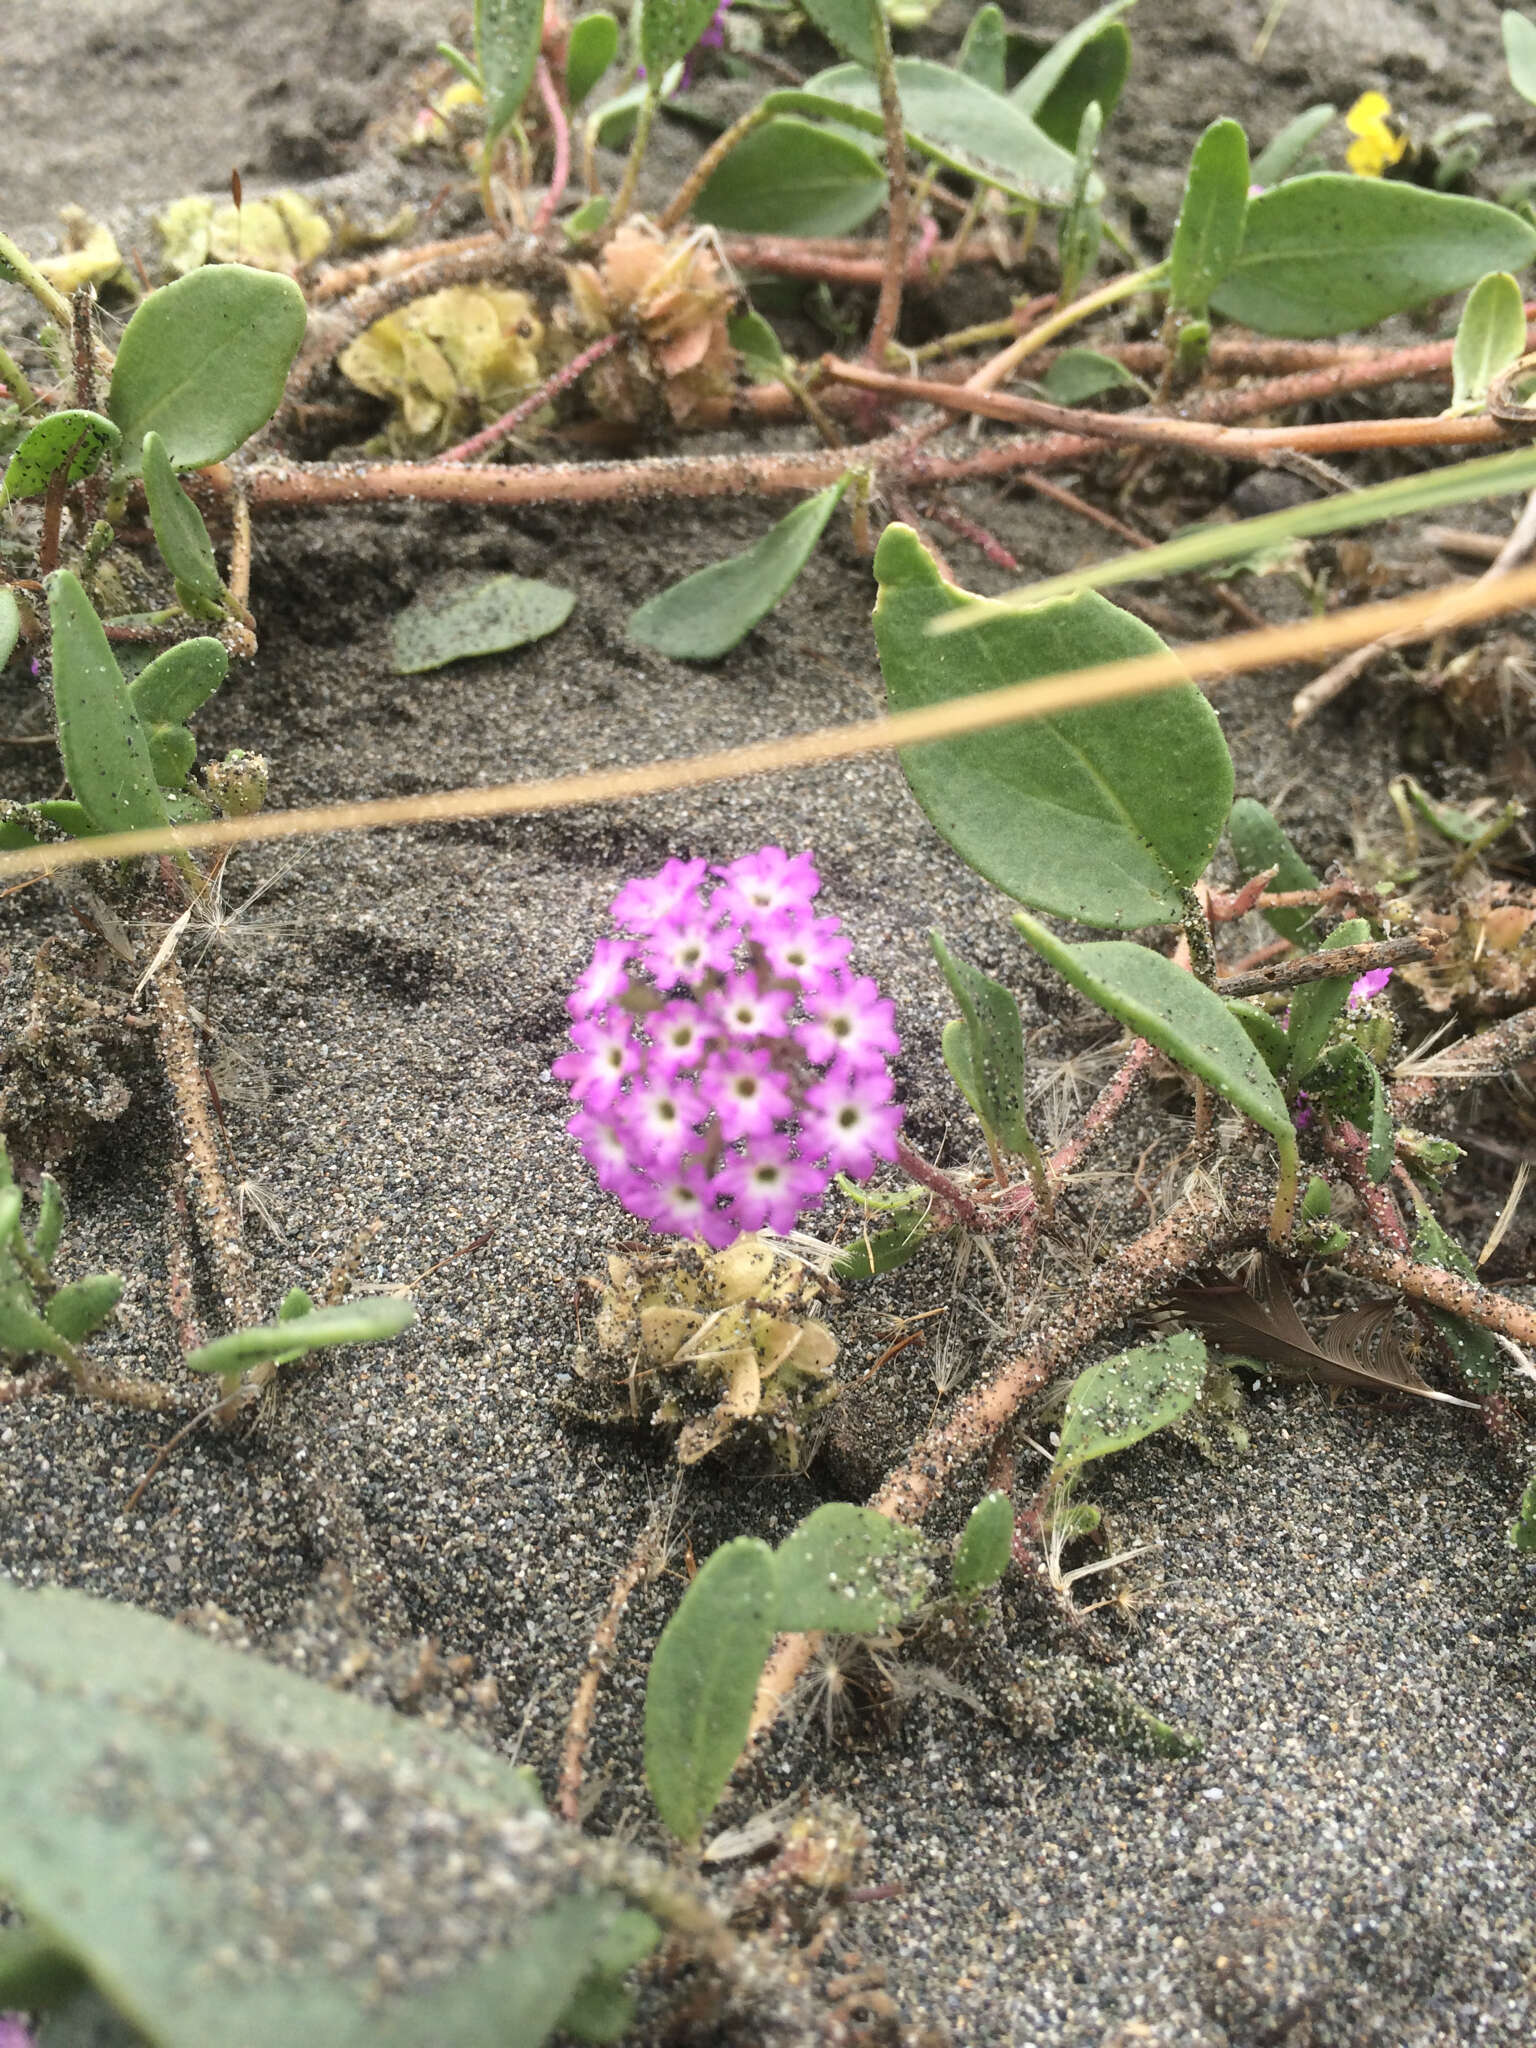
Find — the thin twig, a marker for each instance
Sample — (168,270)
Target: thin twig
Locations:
(1442,1288)
(503,429)
(1344,962)
(888,308)
(1488,1055)
(578,1729)
(966,1209)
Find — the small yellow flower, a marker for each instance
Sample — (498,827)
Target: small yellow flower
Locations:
(1379,140)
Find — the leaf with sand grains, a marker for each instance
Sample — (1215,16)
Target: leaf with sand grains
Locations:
(491,618)
(1355,1350)
(375,1882)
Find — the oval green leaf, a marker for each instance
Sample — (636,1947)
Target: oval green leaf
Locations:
(1490,337)
(1090,62)
(74,436)
(1121,1400)
(10,624)
(1260,842)
(1277,161)
(668,31)
(593,45)
(102,743)
(1209,233)
(1104,815)
(491,618)
(950,117)
(83,1306)
(984,53)
(203,363)
(993,1058)
(986,1545)
(709,612)
(1080,373)
(180,534)
(1331,253)
(791,178)
(1316,1005)
(845,24)
(1520,52)
(179,680)
(371,1319)
(144,1803)
(702,1682)
(850,1570)
(507,36)
(1348,1081)
(1180,1016)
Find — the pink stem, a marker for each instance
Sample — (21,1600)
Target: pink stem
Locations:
(498,431)
(560,129)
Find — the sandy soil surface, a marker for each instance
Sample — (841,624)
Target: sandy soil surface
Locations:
(1348,1861)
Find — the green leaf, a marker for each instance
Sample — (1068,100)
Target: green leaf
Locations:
(295,1303)
(83,1306)
(709,612)
(1458,483)
(758,346)
(1475,1350)
(180,534)
(992,1033)
(1082,225)
(881,1251)
(489,618)
(1520,52)
(668,31)
(371,1319)
(1090,62)
(1490,337)
(792,178)
(1348,1082)
(1331,253)
(1180,1016)
(951,118)
(179,681)
(156,1785)
(22,1329)
(49,1228)
(1316,1006)
(102,744)
(36,1974)
(1258,843)
(848,1569)
(80,438)
(1118,1402)
(1521,1534)
(1105,815)
(1274,164)
(702,1682)
(1080,373)
(986,1545)
(1266,1031)
(10,1223)
(846,25)
(10,624)
(172,754)
(507,34)
(203,363)
(1209,233)
(593,45)
(984,53)
(587,218)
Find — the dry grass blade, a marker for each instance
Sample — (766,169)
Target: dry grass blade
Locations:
(1355,1350)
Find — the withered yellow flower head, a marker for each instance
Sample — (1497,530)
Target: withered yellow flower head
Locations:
(1380,141)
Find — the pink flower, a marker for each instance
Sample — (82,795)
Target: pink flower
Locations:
(1368,987)
(852,1119)
(725,1062)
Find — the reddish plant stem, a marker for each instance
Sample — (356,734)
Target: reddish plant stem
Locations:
(1485,1057)
(560,130)
(578,1728)
(1112,1098)
(501,430)
(1206,437)
(948,1190)
(1226,909)
(1350,1148)
(978,536)
(1441,1289)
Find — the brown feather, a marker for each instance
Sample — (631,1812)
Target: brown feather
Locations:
(1360,1349)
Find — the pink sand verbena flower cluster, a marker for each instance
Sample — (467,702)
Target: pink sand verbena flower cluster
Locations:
(728,1061)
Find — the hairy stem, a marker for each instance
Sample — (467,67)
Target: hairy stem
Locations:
(888,309)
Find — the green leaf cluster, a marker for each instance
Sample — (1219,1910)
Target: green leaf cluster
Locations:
(844,1569)
(37,1313)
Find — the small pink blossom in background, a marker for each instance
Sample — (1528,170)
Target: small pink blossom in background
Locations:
(728,1061)
(1301,1114)
(1370,985)
(12,2033)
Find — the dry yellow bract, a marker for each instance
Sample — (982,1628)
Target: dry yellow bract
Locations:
(674,295)
(448,363)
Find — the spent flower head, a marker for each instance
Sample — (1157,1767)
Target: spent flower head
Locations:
(726,1060)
